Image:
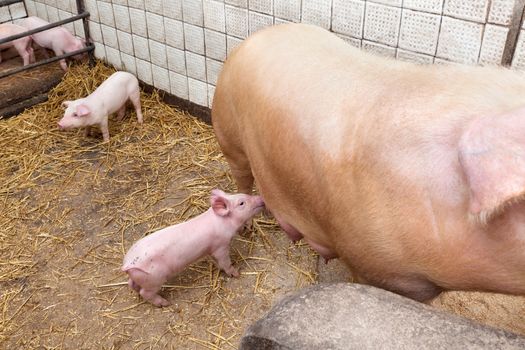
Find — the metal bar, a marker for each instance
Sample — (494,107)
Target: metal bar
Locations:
(9,2)
(46,61)
(512,35)
(46,27)
(81,9)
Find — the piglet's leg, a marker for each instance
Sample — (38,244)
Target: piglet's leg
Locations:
(222,256)
(104,129)
(121,112)
(135,99)
(153,297)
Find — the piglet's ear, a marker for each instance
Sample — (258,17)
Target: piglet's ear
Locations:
(83,110)
(219,203)
(65,104)
(492,156)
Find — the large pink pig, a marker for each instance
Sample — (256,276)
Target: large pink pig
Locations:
(111,96)
(413,175)
(154,259)
(22,45)
(58,39)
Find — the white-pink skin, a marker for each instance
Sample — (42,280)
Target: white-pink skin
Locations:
(22,45)
(58,39)
(156,258)
(111,96)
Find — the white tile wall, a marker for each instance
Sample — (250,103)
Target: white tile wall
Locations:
(348,17)
(459,40)
(180,45)
(317,12)
(382,23)
(172,9)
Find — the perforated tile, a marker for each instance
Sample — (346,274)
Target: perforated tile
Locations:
(138,22)
(125,42)
(213,68)
(473,10)
(258,21)
(144,71)
(161,78)
(52,14)
(317,12)
(95,32)
(231,43)
(348,17)
(154,6)
(155,26)
(176,60)
(63,5)
(352,41)
(419,31)
(493,44)
(214,17)
(192,12)
(194,38)
(432,6)
(109,35)
(141,47)
(459,40)
(388,2)
(378,49)
(238,3)
(128,63)
(236,21)
(92,8)
(413,57)
(174,33)
(195,66)
(100,51)
(113,57)
(198,92)
(215,44)
(158,53)
(501,11)
(105,12)
(382,23)
(264,6)
(172,9)
(139,4)
(179,85)
(122,20)
(518,60)
(41,12)
(211,93)
(288,9)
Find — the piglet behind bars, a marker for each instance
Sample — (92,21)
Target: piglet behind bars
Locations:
(154,259)
(21,45)
(111,96)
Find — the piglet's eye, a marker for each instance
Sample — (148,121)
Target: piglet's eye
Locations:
(75,115)
(241,203)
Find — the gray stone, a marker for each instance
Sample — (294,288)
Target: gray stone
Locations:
(353,316)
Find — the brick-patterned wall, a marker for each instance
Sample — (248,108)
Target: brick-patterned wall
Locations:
(179,45)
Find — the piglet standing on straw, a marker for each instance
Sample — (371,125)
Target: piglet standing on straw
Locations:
(111,96)
(154,259)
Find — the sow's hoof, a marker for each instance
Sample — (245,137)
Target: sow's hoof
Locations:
(353,316)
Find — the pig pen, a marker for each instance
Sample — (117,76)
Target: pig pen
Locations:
(72,206)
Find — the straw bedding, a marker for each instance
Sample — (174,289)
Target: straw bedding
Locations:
(71,207)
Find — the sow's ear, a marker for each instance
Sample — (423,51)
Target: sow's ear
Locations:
(492,155)
(219,203)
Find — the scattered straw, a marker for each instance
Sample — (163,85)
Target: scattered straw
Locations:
(73,205)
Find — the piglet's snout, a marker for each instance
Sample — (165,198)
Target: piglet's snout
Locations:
(60,126)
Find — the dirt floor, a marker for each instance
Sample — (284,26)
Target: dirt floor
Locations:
(72,206)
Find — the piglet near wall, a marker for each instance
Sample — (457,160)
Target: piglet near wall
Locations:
(159,256)
(111,96)
(22,45)
(58,39)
